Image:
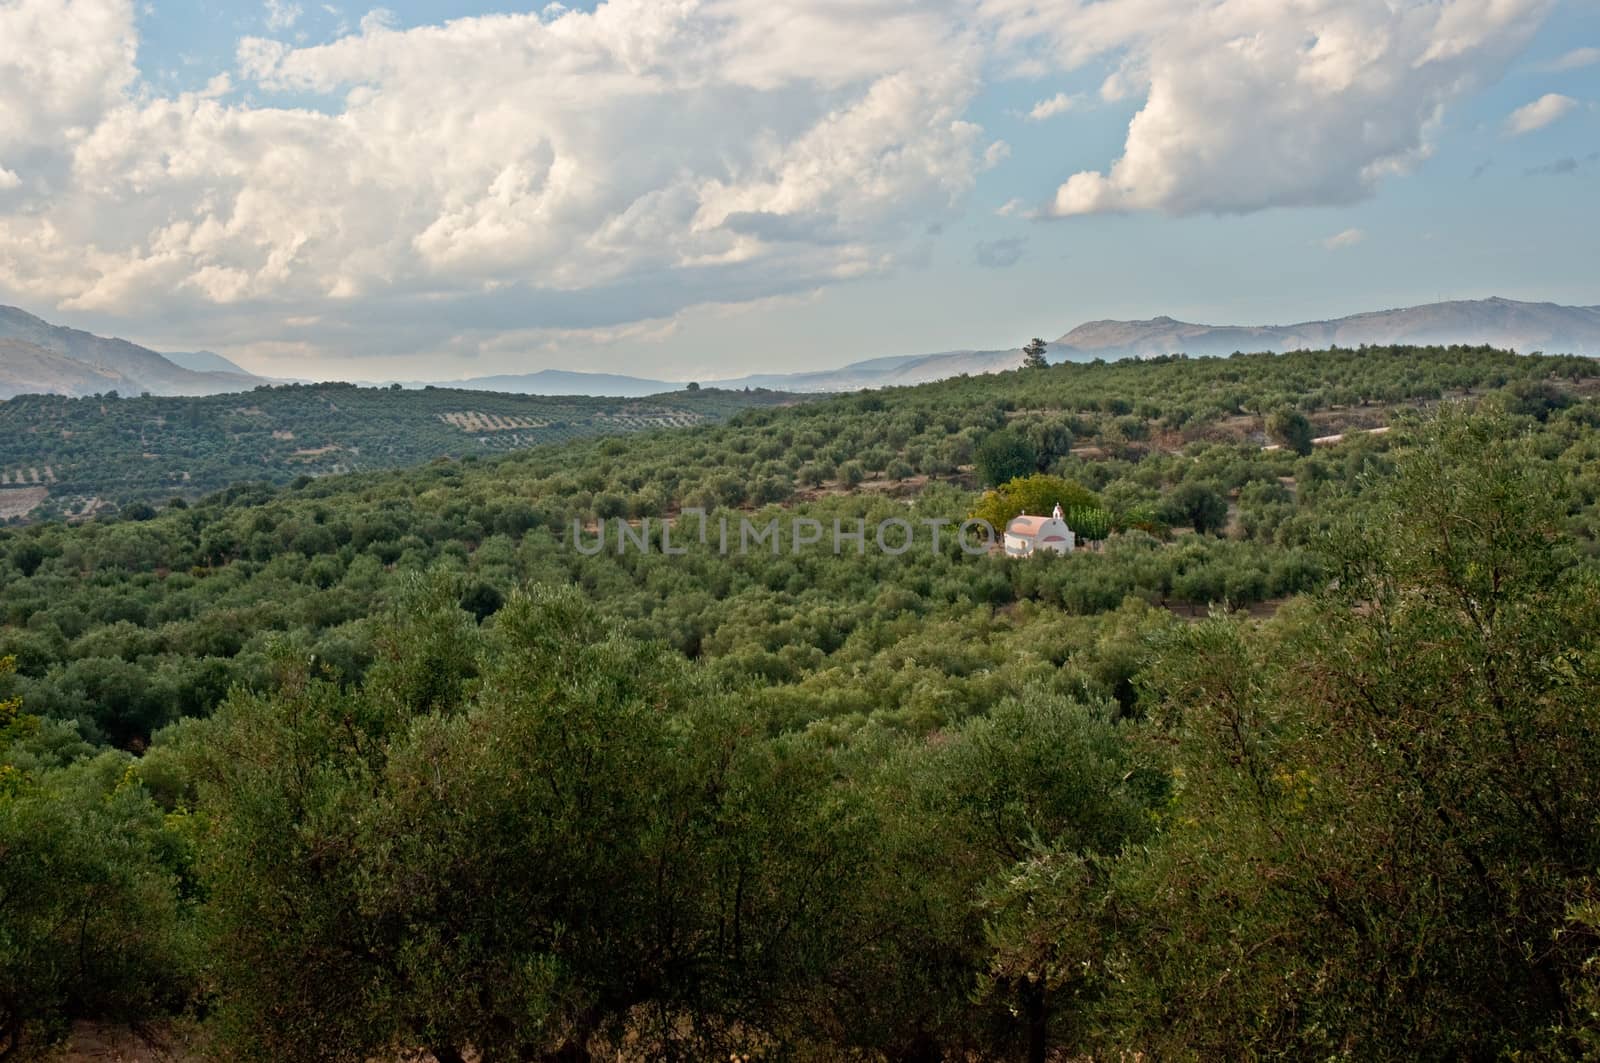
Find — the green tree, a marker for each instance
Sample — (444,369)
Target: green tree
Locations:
(1005,455)
(581,842)
(1393,781)
(1199,505)
(90,920)
(1033,355)
(1290,428)
(964,821)
(1090,523)
(1037,495)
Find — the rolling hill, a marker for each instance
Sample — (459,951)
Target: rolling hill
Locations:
(71,457)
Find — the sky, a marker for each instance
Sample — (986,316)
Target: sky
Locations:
(693,189)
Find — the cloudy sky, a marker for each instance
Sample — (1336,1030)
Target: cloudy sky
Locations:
(693,188)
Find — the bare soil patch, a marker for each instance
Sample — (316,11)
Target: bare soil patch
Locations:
(20,501)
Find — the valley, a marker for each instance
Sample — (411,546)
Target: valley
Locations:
(344,727)
(767,531)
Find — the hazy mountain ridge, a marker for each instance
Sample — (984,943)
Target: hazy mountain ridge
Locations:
(562,382)
(1506,323)
(40,357)
(1550,327)
(43,358)
(205,362)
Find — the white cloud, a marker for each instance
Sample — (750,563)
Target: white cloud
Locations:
(1250,104)
(8,180)
(63,63)
(1576,59)
(1348,238)
(281,14)
(1060,103)
(664,154)
(568,170)
(1541,112)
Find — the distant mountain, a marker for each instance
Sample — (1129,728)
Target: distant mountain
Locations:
(37,356)
(41,357)
(27,368)
(1507,323)
(875,373)
(562,382)
(204,362)
(883,372)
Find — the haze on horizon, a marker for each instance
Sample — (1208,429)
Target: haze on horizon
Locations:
(706,188)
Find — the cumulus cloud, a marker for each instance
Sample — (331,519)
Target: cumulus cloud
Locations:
(1576,59)
(1251,104)
(1348,238)
(1541,112)
(641,144)
(567,169)
(51,99)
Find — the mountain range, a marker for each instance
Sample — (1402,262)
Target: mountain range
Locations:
(1505,323)
(875,373)
(36,356)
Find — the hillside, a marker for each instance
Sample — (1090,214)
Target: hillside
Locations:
(57,360)
(89,454)
(26,368)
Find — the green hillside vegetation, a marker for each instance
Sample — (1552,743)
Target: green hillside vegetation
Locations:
(1298,762)
(103,452)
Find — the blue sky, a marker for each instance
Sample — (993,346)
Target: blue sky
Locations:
(692,190)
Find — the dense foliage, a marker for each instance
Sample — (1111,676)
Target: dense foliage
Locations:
(106,452)
(382,762)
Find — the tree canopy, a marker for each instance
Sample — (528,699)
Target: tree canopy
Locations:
(378,764)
